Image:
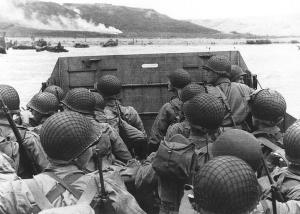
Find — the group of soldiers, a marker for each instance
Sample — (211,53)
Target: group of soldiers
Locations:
(214,148)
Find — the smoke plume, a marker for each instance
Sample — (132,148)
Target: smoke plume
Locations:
(11,11)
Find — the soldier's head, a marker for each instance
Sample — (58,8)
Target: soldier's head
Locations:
(109,86)
(268,108)
(237,74)
(216,67)
(80,100)
(291,141)
(67,137)
(43,105)
(190,91)
(204,113)
(100,104)
(11,99)
(226,185)
(238,143)
(178,79)
(56,90)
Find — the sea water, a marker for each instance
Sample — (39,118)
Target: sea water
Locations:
(277,65)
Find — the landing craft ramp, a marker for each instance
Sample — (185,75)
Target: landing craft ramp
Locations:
(143,76)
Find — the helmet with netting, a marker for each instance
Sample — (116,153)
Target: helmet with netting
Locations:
(179,78)
(291,141)
(45,103)
(238,143)
(268,105)
(66,135)
(109,85)
(204,110)
(80,100)
(191,90)
(236,72)
(100,104)
(10,97)
(218,64)
(56,90)
(226,185)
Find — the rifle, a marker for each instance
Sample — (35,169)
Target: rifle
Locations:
(276,194)
(24,153)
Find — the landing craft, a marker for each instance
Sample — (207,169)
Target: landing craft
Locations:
(143,76)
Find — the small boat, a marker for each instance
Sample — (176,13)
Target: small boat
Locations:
(81,45)
(111,43)
(56,49)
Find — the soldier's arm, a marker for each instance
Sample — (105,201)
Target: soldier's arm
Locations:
(33,145)
(119,148)
(172,130)
(161,124)
(289,207)
(146,179)
(134,119)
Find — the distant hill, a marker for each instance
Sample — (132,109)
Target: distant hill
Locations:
(287,25)
(47,18)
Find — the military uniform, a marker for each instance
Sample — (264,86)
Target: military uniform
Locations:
(235,96)
(7,169)
(268,109)
(170,112)
(67,139)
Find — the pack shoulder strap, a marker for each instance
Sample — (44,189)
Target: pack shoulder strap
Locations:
(64,185)
(225,101)
(40,199)
(89,193)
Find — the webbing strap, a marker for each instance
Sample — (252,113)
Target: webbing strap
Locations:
(39,197)
(67,186)
(90,191)
(225,101)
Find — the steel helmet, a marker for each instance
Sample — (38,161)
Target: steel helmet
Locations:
(100,104)
(45,103)
(238,143)
(236,72)
(190,91)
(109,85)
(66,135)
(218,64)
(268,105)
(291,142)
(226,185)
(80,100)
(179,78)
(10,97)
(204,110)
(56,90)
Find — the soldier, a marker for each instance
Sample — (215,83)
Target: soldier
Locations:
(268,108)
(109,87)
(124,119)
(41,106)
(67,139)
(81,100)
(170,112)
(224,185)
(238,143)
(235,96)
(237,74)
(183,127)
(56,90)
(31,142)
(204,113)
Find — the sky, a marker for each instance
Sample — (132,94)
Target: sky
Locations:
(208,9)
